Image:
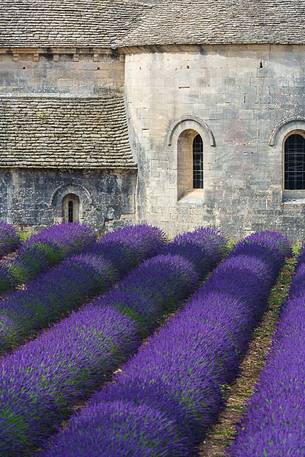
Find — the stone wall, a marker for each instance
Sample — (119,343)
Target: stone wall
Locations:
(243,100)
(66,73)
(70,94)
(35,197)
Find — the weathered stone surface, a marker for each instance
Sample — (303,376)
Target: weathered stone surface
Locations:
(232,71)
(34,197)
(117,23)
(64,132)
(96,23)
(243,95)
(219,22)
(60,74)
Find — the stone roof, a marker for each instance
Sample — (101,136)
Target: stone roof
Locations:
(64,132)
(67,23)
(220,22)
(115,23)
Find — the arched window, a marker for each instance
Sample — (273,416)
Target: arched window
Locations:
(71,211)
(198,162)
(295,162)
(70,206)
(189,163)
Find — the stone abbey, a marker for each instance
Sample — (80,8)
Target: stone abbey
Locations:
(178,113)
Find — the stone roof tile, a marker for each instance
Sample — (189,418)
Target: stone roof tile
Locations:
(67,23)
(64,132)
(220,22)
(119,23)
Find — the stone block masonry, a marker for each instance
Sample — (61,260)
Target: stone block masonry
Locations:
(250,97)
(64,132)
(34,197)
(102,94)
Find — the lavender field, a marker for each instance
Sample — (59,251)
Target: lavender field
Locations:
(125,345)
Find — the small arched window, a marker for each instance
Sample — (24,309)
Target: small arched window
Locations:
(295,162)
(70,207)
(198,162)
(71,211)
(189,163)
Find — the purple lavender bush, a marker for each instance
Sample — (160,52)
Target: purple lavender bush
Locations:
(181,371)
(153,290)
(272,241)
(49,247)
(68,285)
(40,383)
(50,297)
(126,422)
(126,246)
(9,240)
(274,422)
(70,238)
(7,279)
(203,247)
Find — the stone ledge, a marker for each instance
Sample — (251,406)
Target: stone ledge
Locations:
(195,197)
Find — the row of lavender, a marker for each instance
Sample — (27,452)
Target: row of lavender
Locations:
(43,250)
(9,239)
(40,382)
(68,285)
(274,424)
(167,396)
